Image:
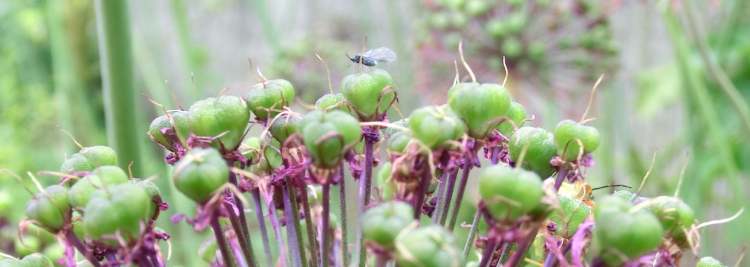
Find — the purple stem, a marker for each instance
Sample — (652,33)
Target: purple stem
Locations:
(421,192)
(325,226)
(551,258)
(489,249)
(440,195)
(468,164)
(504,247)
(314,252)
(262,225)
(446,205)
(241,207)
(221,241)
(364,194)
(245,244)
(291,231)
(523,246)
(342,205)
(561,174)
(276,228)
(237,250)
(381,260)
(71,237)
(365,180)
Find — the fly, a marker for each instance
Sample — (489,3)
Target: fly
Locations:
(374,56)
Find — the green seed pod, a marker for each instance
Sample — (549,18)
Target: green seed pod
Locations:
(382,223)
(516,22)
(439,20)
(200,174)
(537,51)
(270,160)
(9,262)
(611,204)
(26,245)
(509,193)
(49,208)
(268,98)
(368,93)
(476,7)
(80,193)
(283,127)
(36,260)
(480,106)
(452,4)
(571,213)
(567,134)
(427,246)
(7,203)
(76,163)
(624,235)
(517,115)
(331,101)
(327,135)
(54,251)
(458,20)
(99,155)
(250,148)
(624,194)
(709,262)
(672,212)
(181,126)
(512,47)
(151,190)
(540,149)
(154,131)
(225,115)
(117,209)
(385,183)
(496,28)
(398,141)
(436,126)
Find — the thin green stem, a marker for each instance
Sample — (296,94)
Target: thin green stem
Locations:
(311,236)
(342,206)
(472,233)
(726,85)
(117,75)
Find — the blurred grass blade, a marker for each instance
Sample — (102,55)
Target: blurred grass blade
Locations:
(715,71)
(117,75)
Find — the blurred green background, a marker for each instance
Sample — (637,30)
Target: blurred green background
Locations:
(677,81)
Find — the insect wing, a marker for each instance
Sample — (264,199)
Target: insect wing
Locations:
(381,54)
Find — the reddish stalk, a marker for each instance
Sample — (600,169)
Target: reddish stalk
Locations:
(489,249)
(314,252)
(365,182)
(245,245)
(73,240)
(421,192)
(221,242)
(445,207)
(262,226)
(468,164)
(291,231)
(325,239)
(521,249)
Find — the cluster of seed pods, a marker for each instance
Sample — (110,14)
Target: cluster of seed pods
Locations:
(411,175)
(98,212)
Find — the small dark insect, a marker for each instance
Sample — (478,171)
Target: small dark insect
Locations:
(374,56)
